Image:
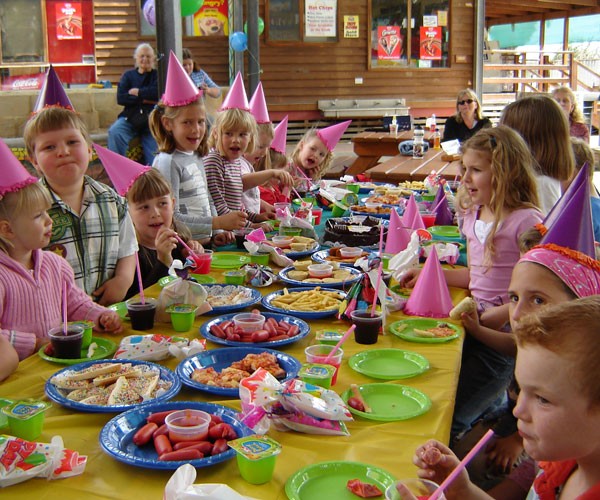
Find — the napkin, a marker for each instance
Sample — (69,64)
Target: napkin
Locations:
(403,261)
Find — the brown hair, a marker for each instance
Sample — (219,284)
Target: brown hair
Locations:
(528,239)
(164,138)
(323,167)
(541,122)
(583,154)
(469,94)
(576,116)
(231,119)
(187,54)
(569,330)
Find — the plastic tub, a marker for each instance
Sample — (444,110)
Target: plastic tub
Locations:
(260,258)
(235,277)
(187,425)
(182,316)
(282,241)
(249,322)
(256,457)
(348,252)
(320,270)
(26,418)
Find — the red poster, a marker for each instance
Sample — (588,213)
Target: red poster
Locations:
(211,19)
(431,43)
(69,21)
(389,43)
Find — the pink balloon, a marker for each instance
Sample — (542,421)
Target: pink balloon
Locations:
(149,12)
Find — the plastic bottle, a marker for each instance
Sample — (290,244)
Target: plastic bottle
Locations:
(394,126)
(436,138)
(418,142)
(432,124)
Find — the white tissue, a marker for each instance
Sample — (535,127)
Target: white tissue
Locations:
(406,259)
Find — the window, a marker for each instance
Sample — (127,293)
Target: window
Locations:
(409,33)
(310,21)
(21,26)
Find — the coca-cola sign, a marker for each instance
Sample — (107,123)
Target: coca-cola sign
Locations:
(23,82)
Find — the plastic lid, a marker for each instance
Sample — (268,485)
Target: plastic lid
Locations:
(316,371)
(181,308)
(255,447)
(328,335)
(24,410)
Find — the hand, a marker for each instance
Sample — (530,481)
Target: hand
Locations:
(110,321)
(262,217)
(471,322)
(134,91)
(235,219)
(284,177)
(165,242)
(503,452)
(223,238)
(409,278)
(268,210)
(495,317)
(196,246)
(111,291)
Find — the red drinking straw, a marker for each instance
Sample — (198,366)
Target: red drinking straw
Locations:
(139,278)
(64,307)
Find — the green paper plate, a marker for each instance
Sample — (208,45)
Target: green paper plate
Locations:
(389,364)
(390,402)
(106,348)
(204,279)
(407,332)
(228,261)
(445,231)
(328,480)
(121,310)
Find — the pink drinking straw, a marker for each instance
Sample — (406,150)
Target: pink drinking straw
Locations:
(337,346)
(379,273)
(296,193)
(139,278)
(64,308)
(185,245)
(380,240)
(434,210)
(463,463)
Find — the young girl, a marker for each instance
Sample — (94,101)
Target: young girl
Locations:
(498,202)
(178,124)
(151,203)
(566,99)
(32,280)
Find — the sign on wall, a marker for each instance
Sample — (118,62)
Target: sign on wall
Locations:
(320,18)
(69,25)
(430,43)
(350,26)
(389,42)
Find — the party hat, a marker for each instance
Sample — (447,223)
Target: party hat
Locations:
(569,222)
(122,171)
(410,211)
(280,136)
(258,105)
(430,296)
(398,236)
(417,222)
(236,97)
(331,135)
(180,90)
(14,175)
(52,93)
(443,214)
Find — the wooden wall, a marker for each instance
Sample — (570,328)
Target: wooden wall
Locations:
(295,77)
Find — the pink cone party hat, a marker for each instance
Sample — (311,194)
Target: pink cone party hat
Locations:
(569,223)
(398,236)
(410,211)
(258,105)
(14,175)
(331,135)
(122,171)
(179,89)
(280,136)
(236,97)
(417,222)
(430,297)
(52,93)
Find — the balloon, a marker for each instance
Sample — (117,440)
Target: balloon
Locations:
(189,7)
(261,26)
(238,41)
(149,12)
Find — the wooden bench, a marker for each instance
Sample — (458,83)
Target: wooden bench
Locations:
(404,168)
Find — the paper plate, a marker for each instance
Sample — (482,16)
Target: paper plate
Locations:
(390,402)
(267,299)
(377,215)
(57,396)
(445,231)
(328,480)
(304,253)
(116,437)
(389,364)
(254,297)
(220,359)
(121,309)
(407,332)
(322,255)
(292,320)
(228,261)
(200,278)
(346,284)
(105,349)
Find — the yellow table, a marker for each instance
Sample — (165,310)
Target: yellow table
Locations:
(388,445)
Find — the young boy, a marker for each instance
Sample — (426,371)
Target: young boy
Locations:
(91,226)
(558,408)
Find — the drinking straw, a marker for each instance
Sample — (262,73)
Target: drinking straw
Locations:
(434,210)
(139,278)
(297,193)
(463,463)
(380,240)
(64,307)
(185,245)
(379,273)
(337,346)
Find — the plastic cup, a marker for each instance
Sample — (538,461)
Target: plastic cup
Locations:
(188,425)
(202,261)
(141,315)
(26,418)
(428,218)
(317,354)
(367,326)
(317,374)
(353,188)
(66,346)
(235,277)
(256,457)
(88,327)
(420,488)
(385,260)
(260,258)
(182,316)
(337,210)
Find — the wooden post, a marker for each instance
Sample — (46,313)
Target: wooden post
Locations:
(168,36)
(572,71)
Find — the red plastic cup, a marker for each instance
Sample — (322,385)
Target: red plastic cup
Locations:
(202,261)
(428,219)
(317,214)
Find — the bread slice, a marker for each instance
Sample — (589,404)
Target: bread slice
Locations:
(144,385)
(466,305)
(62,382)
(123,394)
(95,370)
(109,378)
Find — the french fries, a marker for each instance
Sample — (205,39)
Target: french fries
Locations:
(309,300)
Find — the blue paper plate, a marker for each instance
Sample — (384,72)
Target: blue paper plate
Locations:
(116,438)
(378,216)
(305,253)
(302,325)
(57,395)
(322,255)
(346,284)
(266,302)
(255,297)
(220,359)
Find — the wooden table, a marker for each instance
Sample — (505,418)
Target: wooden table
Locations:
(405,168)
(371,146)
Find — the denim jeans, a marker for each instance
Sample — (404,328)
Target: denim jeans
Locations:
(120,134)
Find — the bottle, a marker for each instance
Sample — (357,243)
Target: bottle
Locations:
(394,126)
(418,142)
(432,124)
(436,138)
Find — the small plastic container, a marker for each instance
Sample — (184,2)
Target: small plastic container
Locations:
(320,270)
(318,353)
(3,418)
(260,258)
(328,337)
(283,241)
(290,231)
(187,425)
(235,277)
(249,322)
(420,488)
(182,316)
(317,374)
(353,188)
(88,327)
(349,252)
(338,210)
(372,205)
(256,457)
(26,418)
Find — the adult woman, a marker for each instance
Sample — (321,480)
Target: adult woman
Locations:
(137,93)
(468,118)
(568,102)
(198,75)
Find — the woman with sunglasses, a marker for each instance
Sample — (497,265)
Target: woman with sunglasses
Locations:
(468,119)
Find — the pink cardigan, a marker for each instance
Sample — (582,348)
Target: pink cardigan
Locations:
(31,303)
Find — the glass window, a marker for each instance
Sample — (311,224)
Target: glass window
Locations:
(409,34)
(310,21)
(22,33)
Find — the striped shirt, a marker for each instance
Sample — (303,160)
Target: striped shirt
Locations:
(250,197)
(94,240)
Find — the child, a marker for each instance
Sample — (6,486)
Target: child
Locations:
(270,192)
(198,75)
(9,358)
(566,99)
(584,154)
(91,226)
(179,125)
(498,199)
(558,407)
(32,280)
(541,122)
